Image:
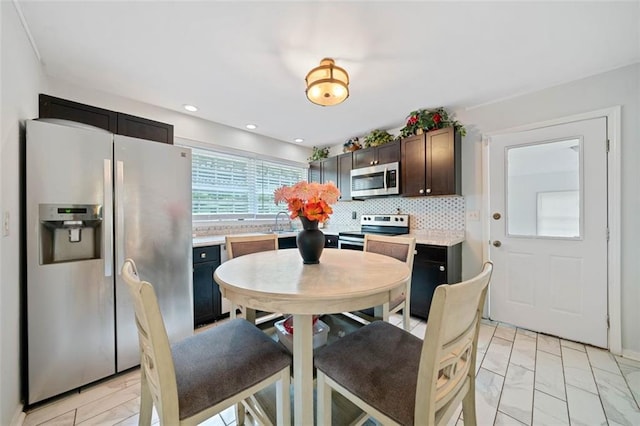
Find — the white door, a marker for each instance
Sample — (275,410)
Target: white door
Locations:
(548,230)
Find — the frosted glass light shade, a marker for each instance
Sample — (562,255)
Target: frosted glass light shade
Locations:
(327,84)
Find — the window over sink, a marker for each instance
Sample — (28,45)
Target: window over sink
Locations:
(238,185)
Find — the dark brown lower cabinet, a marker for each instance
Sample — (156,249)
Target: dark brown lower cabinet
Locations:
(287,242)
(432,266)
(207,301)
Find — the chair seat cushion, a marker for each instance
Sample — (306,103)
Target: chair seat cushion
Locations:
(216,364)
(379,364)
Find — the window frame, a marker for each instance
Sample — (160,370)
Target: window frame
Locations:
(256,160)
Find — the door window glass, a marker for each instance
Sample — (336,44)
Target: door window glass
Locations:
(544,196)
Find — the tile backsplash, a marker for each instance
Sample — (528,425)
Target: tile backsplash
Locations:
(426,213)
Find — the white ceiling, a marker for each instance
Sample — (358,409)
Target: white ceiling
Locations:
(245,62)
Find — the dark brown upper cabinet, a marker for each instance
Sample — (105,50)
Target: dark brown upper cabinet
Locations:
(113,121)
(324,170)
(315,171)
(51,107)
(335,169)
(431,163)
(143,128)
(345,164)
(387,153)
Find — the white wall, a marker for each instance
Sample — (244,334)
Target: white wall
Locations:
(185,126)
(21,81)
(617,87)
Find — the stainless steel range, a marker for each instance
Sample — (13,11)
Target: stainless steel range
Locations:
(385,224)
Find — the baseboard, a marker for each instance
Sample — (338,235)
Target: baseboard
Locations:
(626,353)
(19,416)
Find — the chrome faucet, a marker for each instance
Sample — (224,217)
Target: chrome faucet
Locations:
(278,214)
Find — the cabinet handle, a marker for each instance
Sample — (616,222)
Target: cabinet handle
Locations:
(441,268)
(371,163)
(203,255)
(421,191)
(428,190)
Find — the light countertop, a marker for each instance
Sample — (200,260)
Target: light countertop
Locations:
(431,237)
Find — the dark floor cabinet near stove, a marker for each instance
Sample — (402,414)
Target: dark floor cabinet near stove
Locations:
(207,301)
(432,266)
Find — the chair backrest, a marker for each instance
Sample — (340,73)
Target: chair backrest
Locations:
(401,248)
(239,245)
(448,359)
(155,350)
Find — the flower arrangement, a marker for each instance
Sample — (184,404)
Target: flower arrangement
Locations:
(352,144)
(319,153)
(308,200)
(429,119)
(377,137)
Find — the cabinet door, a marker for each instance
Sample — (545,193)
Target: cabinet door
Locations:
(388,153)
(143,128)
(443,171)
(329,169)
(427,275)
(315,171)
(52,107)
(344,176)
(287,242)
(331,241)
(413,169)
(206,295)
(364,158)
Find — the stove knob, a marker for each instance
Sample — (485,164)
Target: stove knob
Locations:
(402,219)
(396,219)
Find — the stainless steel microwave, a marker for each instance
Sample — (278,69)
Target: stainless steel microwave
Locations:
(381,179)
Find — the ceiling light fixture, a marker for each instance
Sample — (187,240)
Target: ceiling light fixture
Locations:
(190,108)
(327,84)
(251,126)
(299,140)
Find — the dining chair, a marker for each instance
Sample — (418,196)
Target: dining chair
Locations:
(403,249)
(240,245)
(202,375)
(400,379)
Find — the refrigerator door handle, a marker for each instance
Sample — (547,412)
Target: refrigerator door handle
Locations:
(119,215)
(107,215)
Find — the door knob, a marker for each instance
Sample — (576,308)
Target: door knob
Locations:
(496,216)
(497,243)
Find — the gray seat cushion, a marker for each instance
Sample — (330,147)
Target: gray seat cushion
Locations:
(379,364)
(215,364)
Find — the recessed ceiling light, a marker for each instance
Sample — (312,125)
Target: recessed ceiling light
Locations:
(251,126)
(190,108)
(299,140)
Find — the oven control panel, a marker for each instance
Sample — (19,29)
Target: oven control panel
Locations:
(385,219)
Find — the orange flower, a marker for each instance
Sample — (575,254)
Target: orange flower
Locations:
(310,200)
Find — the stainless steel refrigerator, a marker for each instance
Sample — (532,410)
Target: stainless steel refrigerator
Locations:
(92,200)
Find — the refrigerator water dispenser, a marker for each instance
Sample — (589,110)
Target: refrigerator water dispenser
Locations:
(69,232)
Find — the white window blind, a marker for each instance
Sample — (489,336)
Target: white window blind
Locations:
(235,186)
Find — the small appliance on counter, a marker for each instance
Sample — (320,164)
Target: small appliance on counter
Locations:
(385,224)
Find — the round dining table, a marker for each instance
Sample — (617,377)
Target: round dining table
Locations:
(278,281)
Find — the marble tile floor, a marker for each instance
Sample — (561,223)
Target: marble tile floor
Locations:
(523,378)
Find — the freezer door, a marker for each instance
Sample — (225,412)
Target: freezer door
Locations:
(153,227)
(69,303)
